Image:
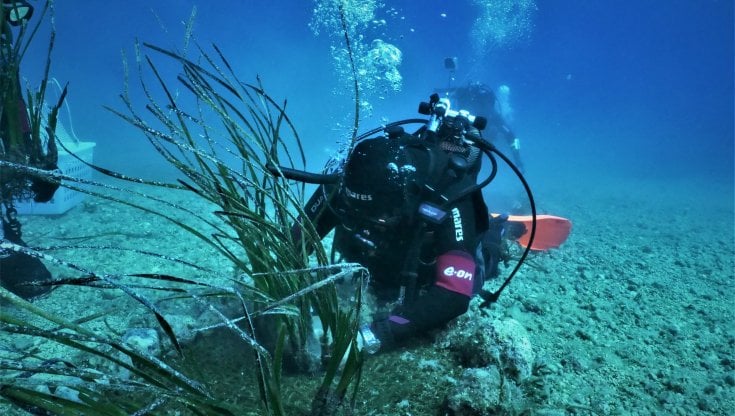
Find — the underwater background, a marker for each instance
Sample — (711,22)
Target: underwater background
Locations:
(625,113)
(632,89)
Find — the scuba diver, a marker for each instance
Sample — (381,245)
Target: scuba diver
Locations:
(17,145)
(410,209)
(478,98)
(481,99)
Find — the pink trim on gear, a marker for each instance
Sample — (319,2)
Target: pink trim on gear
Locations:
(398,320)
(455,271)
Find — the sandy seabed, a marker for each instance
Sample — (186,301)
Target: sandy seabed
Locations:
(634,314)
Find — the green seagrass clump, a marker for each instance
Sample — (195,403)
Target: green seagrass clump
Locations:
(220,133)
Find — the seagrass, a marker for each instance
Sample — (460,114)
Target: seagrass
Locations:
(279,275)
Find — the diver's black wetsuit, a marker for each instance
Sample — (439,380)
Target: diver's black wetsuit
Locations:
(447,271)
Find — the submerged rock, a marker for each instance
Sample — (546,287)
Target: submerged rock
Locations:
(484,391)
(502,373)
(145,340)
(483,342)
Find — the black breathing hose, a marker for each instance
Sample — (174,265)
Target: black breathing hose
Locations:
(491,297)
(303,176)
(470,189)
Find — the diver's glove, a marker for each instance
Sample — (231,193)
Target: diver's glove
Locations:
(516,144)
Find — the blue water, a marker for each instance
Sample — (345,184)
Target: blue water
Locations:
(629,89)
(625,113)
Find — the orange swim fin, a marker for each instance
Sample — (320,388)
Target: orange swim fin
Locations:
(551,231)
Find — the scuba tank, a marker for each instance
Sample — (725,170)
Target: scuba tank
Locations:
(450,128)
